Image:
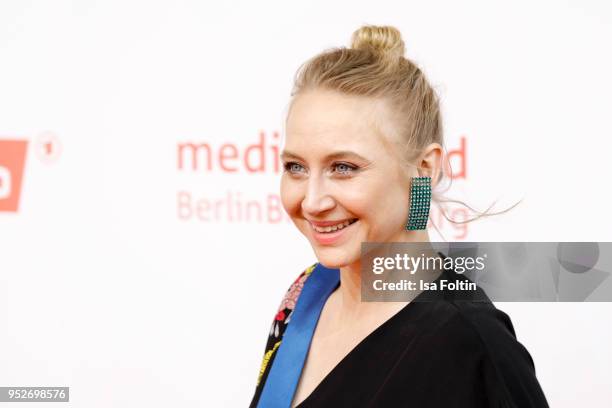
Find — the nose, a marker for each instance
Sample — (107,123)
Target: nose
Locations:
(317,198)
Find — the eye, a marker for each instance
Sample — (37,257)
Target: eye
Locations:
(291,167)
(344,168)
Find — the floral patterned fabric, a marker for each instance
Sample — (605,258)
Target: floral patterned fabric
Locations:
(277,329)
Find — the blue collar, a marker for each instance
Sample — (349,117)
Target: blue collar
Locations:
(286,369)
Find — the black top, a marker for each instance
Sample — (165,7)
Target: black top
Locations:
(442,353)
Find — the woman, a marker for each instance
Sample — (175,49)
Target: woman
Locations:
(364,128)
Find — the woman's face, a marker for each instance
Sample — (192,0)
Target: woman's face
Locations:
(336,169)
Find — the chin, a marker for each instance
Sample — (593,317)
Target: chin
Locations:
(332,259)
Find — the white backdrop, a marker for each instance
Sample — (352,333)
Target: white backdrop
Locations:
(112,285)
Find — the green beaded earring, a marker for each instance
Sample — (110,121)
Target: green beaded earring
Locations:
(420,197)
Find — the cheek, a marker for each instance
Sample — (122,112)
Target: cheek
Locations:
(369,199)
(395,204)
(359,205)
(290,195)
(388,210)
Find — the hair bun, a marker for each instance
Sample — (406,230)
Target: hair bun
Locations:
(381,39)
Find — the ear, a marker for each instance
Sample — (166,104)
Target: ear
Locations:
(430,162)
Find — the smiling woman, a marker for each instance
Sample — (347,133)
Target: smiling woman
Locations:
(363,156)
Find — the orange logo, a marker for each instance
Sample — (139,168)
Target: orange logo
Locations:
(12,161)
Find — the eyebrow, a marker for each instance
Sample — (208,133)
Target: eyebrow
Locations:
(335,155)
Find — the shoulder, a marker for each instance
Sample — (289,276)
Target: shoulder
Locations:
(480,338)
(289,300)
(467,328)
(279,324)
(470,315)
(481,323)
(295,289)
(480,318)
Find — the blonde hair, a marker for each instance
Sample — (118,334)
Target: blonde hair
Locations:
(374,66)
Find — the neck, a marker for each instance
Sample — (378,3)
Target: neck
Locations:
(351,310)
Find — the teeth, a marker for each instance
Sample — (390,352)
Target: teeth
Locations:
(332,227)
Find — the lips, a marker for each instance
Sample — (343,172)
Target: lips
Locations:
(328,238)
(324,224)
